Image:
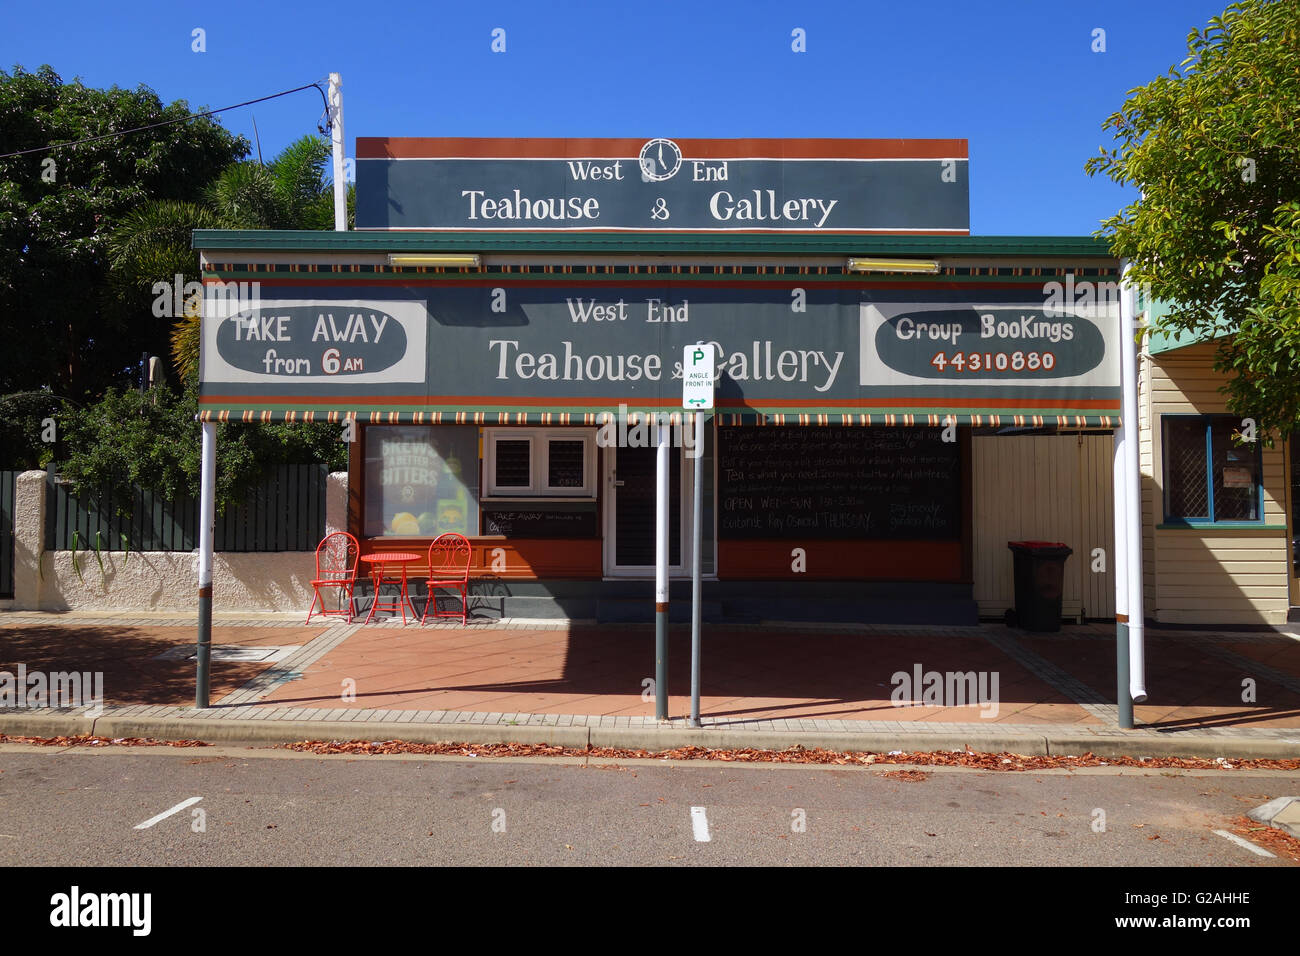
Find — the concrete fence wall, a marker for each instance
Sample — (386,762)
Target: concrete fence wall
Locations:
(155,580)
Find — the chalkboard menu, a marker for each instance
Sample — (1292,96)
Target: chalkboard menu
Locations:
(540,521)
(837,483)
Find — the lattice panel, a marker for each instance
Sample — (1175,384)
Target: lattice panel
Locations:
(1185,485)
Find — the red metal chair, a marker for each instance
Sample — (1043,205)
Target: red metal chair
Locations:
(336,567)
(449,558)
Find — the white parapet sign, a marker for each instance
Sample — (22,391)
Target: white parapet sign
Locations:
(698,367)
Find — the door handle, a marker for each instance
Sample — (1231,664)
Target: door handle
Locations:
(618,484)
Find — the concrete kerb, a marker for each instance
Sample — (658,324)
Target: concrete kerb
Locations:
(268,732)
(292,731)
(1268,811)
(1191,745)
(45,725)
(882,741)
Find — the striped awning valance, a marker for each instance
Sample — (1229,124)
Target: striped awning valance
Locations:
(724,418)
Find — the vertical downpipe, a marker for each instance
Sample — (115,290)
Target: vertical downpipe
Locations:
(1132,488)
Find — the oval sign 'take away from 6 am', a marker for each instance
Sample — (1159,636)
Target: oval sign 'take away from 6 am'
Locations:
(309,340)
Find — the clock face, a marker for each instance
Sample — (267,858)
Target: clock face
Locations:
(660,160)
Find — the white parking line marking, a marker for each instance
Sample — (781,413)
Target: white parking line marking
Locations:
(700,824)
(166,813)
(1245,844)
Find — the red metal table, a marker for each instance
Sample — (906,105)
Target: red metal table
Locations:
(379,564)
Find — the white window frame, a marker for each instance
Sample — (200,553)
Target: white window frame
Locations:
(539,454)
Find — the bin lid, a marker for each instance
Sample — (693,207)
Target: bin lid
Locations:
(1039,546)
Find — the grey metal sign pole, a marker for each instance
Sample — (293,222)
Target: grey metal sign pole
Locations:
(697,539)
(1119,567)
(699,372)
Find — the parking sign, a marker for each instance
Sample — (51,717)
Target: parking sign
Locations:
(698,364)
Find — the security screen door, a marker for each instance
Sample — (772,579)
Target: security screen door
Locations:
(630,524)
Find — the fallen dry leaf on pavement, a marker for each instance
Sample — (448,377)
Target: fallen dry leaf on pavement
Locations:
(911,776)
(1270,838)
(91,740)
(796,755)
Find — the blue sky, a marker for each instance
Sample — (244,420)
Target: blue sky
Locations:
(1017,78)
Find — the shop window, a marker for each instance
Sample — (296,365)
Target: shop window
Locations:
(420,480)
(540,463)
(1208,476)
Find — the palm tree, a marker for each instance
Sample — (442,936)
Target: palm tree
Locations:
(153,243)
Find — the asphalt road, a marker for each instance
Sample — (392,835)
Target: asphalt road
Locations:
(80,807)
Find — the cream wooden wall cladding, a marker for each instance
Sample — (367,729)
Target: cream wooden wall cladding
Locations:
(1046,488)
(1215,575)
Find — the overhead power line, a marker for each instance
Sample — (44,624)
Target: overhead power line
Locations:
(180,119)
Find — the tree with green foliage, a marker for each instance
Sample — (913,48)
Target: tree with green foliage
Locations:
(1215,149)
(153,243)
(151,439)
(67,330)
(90,240)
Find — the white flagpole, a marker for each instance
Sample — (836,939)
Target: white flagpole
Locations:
(336,135)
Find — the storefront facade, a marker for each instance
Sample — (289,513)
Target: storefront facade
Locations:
(890,392)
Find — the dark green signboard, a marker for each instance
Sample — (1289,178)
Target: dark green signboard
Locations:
(812,186)
(430,351)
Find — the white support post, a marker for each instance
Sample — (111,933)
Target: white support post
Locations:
(336,133)
(661,569)
(207,531)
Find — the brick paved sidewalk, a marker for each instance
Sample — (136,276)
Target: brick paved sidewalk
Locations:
(769,679)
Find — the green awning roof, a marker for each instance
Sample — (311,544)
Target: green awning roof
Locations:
(1159,342)
(622,243)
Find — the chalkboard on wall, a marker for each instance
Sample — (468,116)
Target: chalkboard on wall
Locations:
(838,483)
(529,521)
